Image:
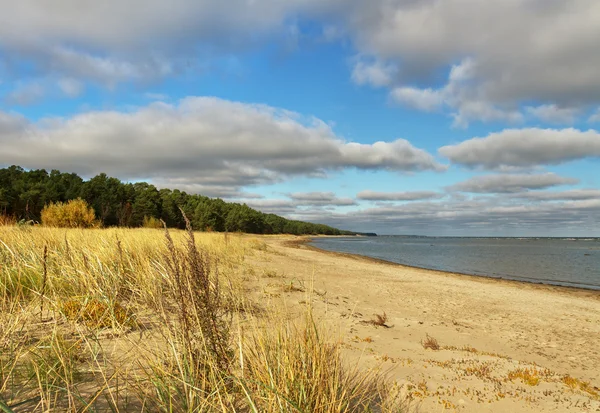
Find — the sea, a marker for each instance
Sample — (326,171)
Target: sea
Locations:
(571,262)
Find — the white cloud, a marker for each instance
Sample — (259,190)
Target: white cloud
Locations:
(519,51)
(595,117)
(510,52)
(198,143)
(120,40)
(373,73)
(525,148)
(398,196)
(554,114)
(422,99)
(320,199)
(481,215)
(25,94)
(107,70)
(70,87)
(156,96)
(570,195)
(507,183)
(464,104)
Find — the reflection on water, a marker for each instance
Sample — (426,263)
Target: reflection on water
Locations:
(560,261)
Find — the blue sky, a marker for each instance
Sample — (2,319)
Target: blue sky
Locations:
(457,117)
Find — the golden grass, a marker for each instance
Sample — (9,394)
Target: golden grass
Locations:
(127,320)
(7,220)
(584,386)
(529,376)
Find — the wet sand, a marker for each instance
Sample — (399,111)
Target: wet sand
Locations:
(504,345)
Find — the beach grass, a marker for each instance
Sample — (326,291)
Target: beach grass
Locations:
(143,319)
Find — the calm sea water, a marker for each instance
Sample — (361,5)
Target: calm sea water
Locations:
(573,262)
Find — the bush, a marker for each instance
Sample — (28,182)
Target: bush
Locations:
(151,222)
(75,213)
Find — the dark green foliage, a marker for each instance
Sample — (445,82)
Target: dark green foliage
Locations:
(23,194)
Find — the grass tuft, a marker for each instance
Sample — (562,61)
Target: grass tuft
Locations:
(529,376)
(378,320)
(430,343)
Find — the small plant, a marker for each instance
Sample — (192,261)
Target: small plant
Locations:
(430,343)
(270,274)
(379,320)
(291,288)
(576,384)
(527,376)
(366,339)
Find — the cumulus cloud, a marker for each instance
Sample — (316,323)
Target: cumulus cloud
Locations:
(422,99)
(570,195)
(398,196)
(506,183)
(198,142)
(115,41)
(319,199)
(305,203)
(456,96)
(510,52)
(547,55)
(525,148)
(373,73)
(553,114)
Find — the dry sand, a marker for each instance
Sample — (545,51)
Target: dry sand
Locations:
(505,346)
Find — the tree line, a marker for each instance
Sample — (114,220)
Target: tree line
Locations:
(24,193)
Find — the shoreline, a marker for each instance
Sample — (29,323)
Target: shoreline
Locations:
(491,332)
(582,291)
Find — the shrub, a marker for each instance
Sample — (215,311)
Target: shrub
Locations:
(151,222)
(75,213)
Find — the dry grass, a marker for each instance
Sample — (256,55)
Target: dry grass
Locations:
(378,320)
(430,343)
(529,376)
(95,313)
(7,220)
(292,288)
(142,320)
(295,367)
(584,386)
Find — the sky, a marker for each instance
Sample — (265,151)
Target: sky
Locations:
(427,117)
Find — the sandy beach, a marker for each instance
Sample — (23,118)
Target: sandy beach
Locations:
(503,345)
